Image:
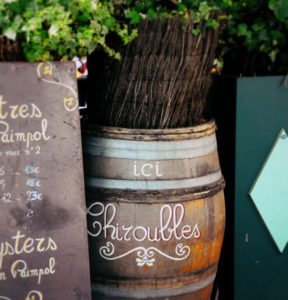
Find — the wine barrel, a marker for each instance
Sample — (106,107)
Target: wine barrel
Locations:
(155,210)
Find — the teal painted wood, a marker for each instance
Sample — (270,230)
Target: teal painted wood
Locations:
(260,272)
(270,191)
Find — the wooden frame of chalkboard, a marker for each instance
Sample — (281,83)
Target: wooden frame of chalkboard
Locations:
(43,232)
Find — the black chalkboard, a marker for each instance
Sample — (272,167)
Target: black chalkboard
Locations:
(43,240)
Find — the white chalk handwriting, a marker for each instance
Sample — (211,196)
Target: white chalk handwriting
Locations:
(171,227)
(20,244)
(147,169)
(8,136)
(20,269)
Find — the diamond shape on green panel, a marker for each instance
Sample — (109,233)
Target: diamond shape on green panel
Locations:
(270,191)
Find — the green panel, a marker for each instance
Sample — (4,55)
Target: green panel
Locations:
(260,272)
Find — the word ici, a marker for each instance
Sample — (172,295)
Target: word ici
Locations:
(147,169)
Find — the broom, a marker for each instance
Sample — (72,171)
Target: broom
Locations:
(162,80)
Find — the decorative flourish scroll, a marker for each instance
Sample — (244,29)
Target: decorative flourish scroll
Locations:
(34,295)
(45,70)
(145,256)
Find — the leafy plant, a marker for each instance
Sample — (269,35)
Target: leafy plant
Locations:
(61,29)
(255,39)
(280,8)
(201,11)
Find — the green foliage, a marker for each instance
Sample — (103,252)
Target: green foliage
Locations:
(259,29)
(280,8)
(201,11)
(61,29)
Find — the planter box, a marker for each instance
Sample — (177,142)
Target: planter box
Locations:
(250,112)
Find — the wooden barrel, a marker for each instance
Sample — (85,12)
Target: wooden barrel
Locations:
(155,210)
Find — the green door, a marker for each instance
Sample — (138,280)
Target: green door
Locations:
(260,269)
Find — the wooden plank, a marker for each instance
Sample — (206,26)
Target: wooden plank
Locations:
(43,242)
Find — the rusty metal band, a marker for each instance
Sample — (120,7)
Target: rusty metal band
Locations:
(153,185)
(173,196)
(150,150)
(170,134)
(143,294)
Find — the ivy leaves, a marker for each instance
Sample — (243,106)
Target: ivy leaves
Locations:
(61,29)
(202,11)
(280,8)
(255,33)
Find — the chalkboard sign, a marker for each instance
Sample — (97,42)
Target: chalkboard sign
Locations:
(43,240)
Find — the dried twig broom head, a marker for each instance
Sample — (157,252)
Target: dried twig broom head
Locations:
(161,81)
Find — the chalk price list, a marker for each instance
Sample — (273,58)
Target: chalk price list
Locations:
(30,174)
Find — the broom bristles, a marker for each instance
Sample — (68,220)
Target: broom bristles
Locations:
(162,80)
